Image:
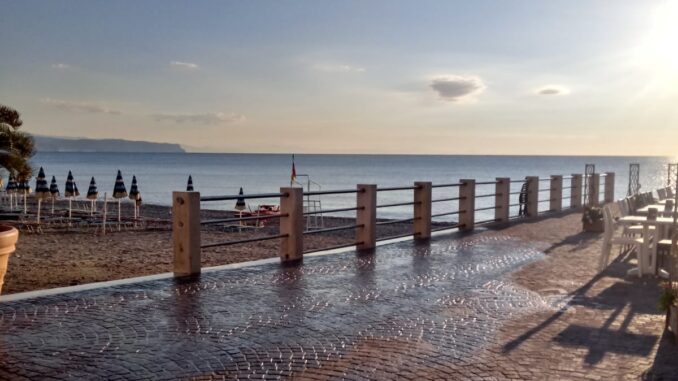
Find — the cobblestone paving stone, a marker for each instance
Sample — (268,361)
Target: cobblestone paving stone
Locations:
(406,307)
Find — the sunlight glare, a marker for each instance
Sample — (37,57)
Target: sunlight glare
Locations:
(659,51)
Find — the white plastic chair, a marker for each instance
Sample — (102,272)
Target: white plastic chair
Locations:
(610,239)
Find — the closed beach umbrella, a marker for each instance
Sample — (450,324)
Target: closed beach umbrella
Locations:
(70,191)
(11,184)
(11,190)
(92,191)
(53,191)
(134,195)
(119,192)
(240,202)
(41,190)
(24,188)
(189,185)
(134,190)
(54,188)
(93,194)
(41,187)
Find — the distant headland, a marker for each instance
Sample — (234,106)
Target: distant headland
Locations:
(59,144)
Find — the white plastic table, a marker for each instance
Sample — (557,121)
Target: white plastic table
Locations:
(660,210)
(647,259)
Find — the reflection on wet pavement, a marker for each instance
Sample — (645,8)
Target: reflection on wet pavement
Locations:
(270,321)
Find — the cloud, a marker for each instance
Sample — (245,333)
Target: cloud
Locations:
(552,90)
(82,107)
(61,66)
(212,118)
(454,88)
(334,68)
(184,65)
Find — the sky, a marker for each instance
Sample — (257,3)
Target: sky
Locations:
(403,77)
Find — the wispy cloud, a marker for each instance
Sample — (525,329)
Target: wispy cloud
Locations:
(552,90)
(213,118)
(184,65)
(61,66)
(453,88)
(338,68)
(80,106)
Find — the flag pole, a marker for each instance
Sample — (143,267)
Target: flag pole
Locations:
(293,177)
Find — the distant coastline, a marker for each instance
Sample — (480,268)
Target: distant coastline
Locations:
(57,144)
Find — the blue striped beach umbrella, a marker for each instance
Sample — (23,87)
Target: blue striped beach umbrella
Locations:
(71,190)
(134,190)
(54,188)
(11,184)
(92,191)
(240,202)
(92,194)
(135,195)
(119,189)
(53,191)
(24,188)
(189,185)
(41,187)
(119,192)
(41,190)
(11,190)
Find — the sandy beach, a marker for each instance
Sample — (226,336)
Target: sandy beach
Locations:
(61,256)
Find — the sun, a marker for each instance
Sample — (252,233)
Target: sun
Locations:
(659,49)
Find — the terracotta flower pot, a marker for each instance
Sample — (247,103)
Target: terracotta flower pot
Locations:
(594,226)
(8,237)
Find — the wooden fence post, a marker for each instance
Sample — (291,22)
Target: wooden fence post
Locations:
(292,224)
(532,196)
(609,187)
(575,191)
(556,203)
(594,189)
(366,215)
(186,233)
(502,199)
(422,210)
(467,204)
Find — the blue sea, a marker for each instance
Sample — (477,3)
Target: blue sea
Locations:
(159,174)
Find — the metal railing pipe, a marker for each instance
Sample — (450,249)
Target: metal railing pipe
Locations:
(244,196)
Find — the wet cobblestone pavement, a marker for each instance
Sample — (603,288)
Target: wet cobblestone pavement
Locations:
(335,316)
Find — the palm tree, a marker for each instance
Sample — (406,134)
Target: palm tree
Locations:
(16,147)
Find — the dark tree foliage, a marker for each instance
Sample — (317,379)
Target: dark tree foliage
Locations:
(16,147)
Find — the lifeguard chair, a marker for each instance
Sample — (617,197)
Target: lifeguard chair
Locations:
(312,204)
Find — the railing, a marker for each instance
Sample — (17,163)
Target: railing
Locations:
(474,201)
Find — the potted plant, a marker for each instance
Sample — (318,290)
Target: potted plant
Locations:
(8,237)
(16,147)
(592,219)
(667,304)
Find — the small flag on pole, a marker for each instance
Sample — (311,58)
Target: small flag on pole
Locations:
(293,177)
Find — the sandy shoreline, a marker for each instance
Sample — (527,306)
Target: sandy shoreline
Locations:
(61,256)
